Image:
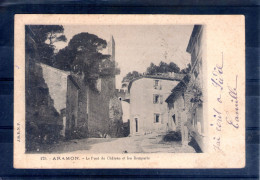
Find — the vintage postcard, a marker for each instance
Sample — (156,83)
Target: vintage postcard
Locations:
(129,91)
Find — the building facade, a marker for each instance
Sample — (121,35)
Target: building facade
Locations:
(178,110)
(197,48)
(148,109)
(190,92)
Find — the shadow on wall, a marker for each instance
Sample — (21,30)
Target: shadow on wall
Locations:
(43,122)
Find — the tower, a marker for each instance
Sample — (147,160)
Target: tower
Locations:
(111,52)
(111,48)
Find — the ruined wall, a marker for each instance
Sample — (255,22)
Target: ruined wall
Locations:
(56,81)
(43,121)
(98,108)
(82,120)
(72,108)
(115,117)
(98,101)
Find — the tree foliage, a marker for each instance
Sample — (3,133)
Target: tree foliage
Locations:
(163,67)
(186,70)
(44,36)
(42,119)
(131,75)
(82,56)
(153,69)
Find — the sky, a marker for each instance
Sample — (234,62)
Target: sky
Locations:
(136,46)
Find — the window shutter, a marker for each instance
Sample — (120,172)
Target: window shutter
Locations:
(161,99)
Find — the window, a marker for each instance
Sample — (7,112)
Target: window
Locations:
(156,118)
(157,84)
(173,118)
(156,98)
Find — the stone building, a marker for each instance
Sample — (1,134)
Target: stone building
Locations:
(190,92)
(86,111)
(148,109)
(177,108)
(197,48)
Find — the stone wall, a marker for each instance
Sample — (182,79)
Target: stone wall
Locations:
(98,108)
(56,81)
(72,109)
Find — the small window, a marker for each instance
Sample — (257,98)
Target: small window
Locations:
(156,98)
(173,118)
(157,84)
(156,118)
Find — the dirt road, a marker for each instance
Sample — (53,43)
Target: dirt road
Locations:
(136,144)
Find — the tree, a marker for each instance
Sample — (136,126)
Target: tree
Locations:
(43,122)
(82,56)
(131,76)
(152,69)
(186,70)
(42,33)
(174,67)
(44,36)
(162,68)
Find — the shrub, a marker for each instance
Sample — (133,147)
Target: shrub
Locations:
(172,136)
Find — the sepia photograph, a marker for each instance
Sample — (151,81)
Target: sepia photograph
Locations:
(129,91)
(114,89)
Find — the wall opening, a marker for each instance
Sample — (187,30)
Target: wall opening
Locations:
(156,118)
(173,118)
(136,125)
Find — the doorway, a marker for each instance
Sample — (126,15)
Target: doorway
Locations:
(136,125)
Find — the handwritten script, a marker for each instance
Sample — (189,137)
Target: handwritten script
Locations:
(233,121)
(222,117)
